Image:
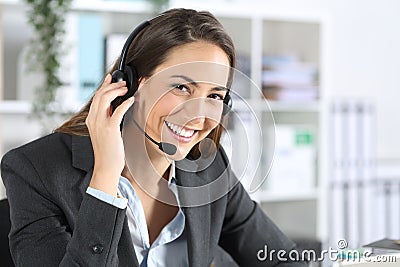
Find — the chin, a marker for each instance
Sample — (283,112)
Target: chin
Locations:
(177,157)
(180,154)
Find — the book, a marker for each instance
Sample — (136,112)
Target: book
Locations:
(90,54)
(384,246)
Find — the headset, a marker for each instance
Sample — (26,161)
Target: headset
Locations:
(126,72)
(129,74)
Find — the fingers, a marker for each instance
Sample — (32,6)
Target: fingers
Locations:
(100,109)
(108,86)
(107,80)
(95,100)
(106,99)
(120,111)
(106,93)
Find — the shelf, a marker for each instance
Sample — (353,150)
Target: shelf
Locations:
(276,106)
(24,107)
(15,107)
(20,107)
(266,196)
(285,106)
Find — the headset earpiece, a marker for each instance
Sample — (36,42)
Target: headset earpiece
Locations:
(117,76)
(126,72)
(131,81)
(131,78)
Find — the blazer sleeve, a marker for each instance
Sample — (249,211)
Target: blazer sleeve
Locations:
(247,232)
(40,234)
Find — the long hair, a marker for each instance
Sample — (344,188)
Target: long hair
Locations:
(151,48)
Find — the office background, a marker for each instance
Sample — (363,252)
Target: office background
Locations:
(329,69)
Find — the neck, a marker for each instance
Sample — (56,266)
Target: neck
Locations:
(146,167)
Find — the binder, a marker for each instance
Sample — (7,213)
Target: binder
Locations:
(368,174)
(336,199)
(90,54)
(395,211)
(352,180)
(357,200)
(378,211)
(384,245)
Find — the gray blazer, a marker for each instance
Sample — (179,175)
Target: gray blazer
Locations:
(54,222)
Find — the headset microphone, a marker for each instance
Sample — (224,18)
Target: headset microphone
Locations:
(168,148)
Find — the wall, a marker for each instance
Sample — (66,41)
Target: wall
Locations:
(366,61)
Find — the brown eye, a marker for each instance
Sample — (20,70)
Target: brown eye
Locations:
(216,97)
(181,88)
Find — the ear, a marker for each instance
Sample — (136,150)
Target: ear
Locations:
(141,82)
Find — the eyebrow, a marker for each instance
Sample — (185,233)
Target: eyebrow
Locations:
(190,81)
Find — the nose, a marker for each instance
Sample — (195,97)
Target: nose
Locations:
(199,110)
(197,121)
(196,110)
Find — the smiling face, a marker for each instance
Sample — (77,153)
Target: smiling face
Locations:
(190,105)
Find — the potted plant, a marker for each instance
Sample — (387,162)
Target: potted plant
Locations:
(47,18)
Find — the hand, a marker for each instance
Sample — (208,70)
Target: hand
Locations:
(104,131)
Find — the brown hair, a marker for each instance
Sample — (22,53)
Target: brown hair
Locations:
(151,48)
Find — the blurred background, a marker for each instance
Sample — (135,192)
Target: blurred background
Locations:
(328,68)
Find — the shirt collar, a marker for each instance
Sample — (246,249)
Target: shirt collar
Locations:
(171,178)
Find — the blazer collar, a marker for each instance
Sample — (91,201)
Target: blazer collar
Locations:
(82,153)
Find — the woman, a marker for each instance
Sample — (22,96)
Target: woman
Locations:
(78,199)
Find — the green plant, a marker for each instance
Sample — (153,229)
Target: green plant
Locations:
(47,18)
(159,5)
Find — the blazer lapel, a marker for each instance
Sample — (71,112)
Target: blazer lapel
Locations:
(126,252)
(197,218)
(83,158)
(82,153)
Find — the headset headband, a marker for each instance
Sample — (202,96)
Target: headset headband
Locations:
(128,43)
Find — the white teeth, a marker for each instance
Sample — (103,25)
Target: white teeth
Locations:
(179,130)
